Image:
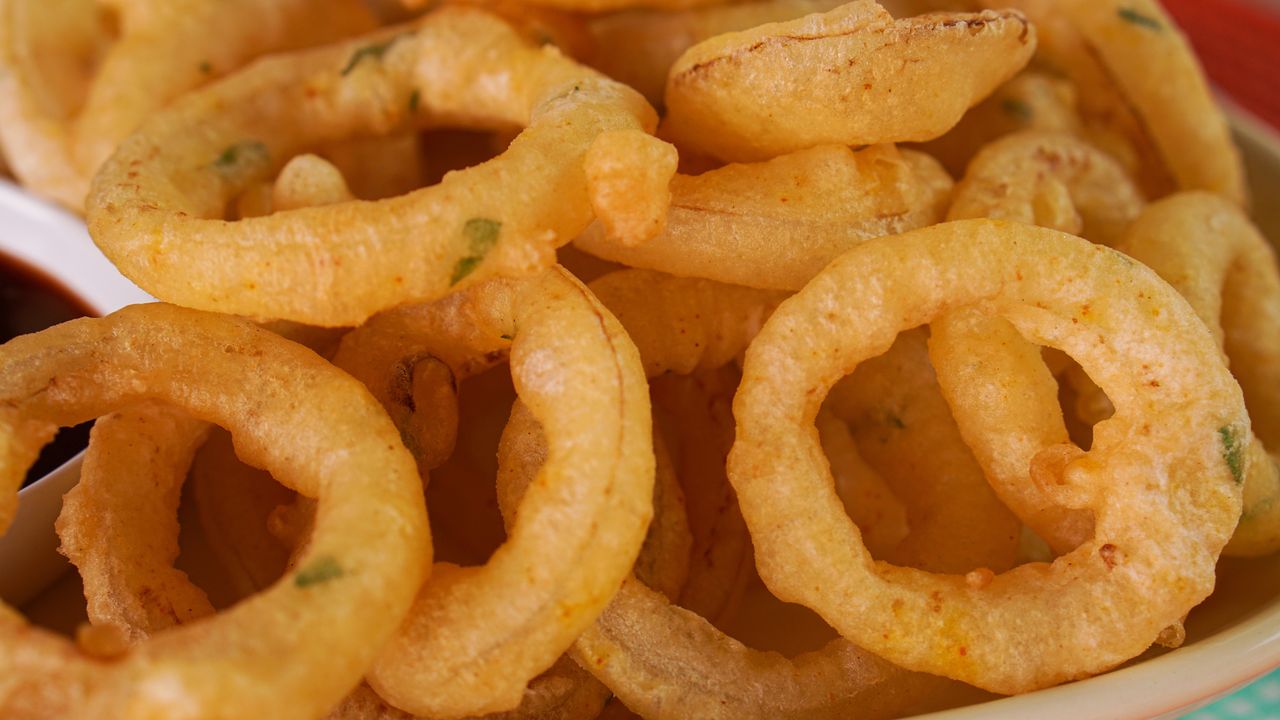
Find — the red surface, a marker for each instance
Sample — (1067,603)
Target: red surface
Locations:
(1239,43)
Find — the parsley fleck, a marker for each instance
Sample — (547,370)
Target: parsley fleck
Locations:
(895,421)
(206,68)
(505,336)
(375,51)
(323,569)
(415,98)
(1017,109)
(1134,17)
(245,156)
(1232,452)
(482,236)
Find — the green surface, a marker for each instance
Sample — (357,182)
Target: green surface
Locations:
(1258,701)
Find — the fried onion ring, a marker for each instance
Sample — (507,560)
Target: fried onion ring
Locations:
(293,650)
(638,47)
(904,429)
(1058,182)
(1151,61)
(164,49)
(683,325)
(867,498)
(983,363)
(870,80)
(158,204)
(775,224)
(1207,249)
(696,412)
(1049,179)
(123,536)
(476,636)
(1162,476)
(1031,101)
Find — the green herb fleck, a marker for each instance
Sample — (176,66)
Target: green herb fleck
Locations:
(895,421)
(482,236)
(374,51)
(1130,15)
(323,569)
(415,98)
(1017,109)
(206,68)
(505,336)
(1233,452)
(242,157)
(544,38)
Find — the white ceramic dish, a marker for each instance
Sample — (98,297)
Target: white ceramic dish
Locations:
(1232,639)
(53,241)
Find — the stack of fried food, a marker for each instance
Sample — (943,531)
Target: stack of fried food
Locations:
(885,369)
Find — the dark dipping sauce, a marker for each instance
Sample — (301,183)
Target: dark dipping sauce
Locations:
(30,301)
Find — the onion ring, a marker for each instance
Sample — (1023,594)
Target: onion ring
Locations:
(1161,542)
(682,325)
(1053,180)
(638,47)
(905,429)
(969,349)
(234,506)
(567,692)
(871,80)
(157,205)
(1150,59)
(1058,182)
(775,224)
(1215,258)
(477,636)
(870,503)
(129,578)
(697,414)
(293,650)
(165,49)
(1110,121)
(1030,101)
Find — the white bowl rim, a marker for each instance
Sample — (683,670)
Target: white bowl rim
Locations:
(66,254)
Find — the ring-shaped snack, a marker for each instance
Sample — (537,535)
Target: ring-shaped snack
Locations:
(1109,120)
(476,636)
(165,48)
(291,651)
(567,691)
(1032,100)
(695,413)
(682,326)
(775,224)
(1150,60)
(119,524)
(157,207)
(1163,476)
(957,522)
(1056,181)
(870,79)
(982,364)
(1053,180)
(639,46)
(1210,252)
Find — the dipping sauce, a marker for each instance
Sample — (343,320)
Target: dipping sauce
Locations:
(31,300)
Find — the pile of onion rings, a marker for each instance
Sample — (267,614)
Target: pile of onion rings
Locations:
(907,355)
